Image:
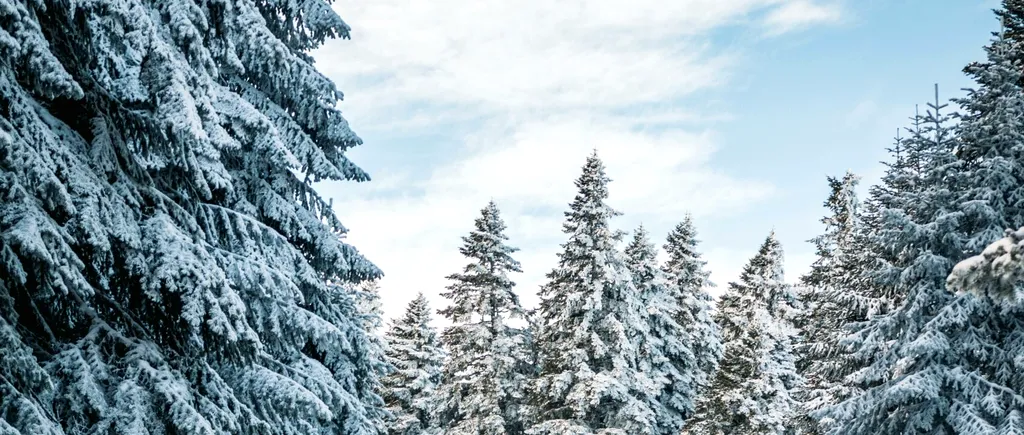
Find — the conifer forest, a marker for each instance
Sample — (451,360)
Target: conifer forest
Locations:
(168,265)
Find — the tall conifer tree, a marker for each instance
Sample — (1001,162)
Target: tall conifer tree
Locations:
(834,287)
(590,380)
(687,275)
(665,355)
(902,366)
(483,387)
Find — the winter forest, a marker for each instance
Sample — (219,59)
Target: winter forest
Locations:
(167,266)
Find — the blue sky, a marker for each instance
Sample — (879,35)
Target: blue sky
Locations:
(734,110)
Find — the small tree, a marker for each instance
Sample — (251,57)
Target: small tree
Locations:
(415,355)
(753,390)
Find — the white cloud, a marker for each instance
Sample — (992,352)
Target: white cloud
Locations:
(536,54)
(541,84)
(801,14)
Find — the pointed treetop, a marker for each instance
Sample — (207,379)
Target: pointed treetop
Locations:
(489,223)
(681,240)
(767,264)
(420,299)
(641,247)
(418,310)
(593,190)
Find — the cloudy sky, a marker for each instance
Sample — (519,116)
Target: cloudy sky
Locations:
(734,110)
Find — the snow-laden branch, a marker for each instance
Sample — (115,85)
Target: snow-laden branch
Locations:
(995,272)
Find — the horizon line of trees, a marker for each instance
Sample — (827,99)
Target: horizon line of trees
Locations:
(618,345)
(905,323)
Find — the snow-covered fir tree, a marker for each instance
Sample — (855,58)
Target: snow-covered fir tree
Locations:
(415,356)
(753,391)
(164,260)
(483,385)
(834,286)
(903,368)
(985,334)
(690,281)
(592,320)
(665,356)
(367,298)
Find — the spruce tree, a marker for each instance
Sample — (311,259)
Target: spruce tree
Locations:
(985,328)
(591,321)
(165,264)
(959,352)
(982,338)
(415,356)
(754,388)
(665,355)
(834,287)
(483,385)
(690,281)
(902,367)
(369,311)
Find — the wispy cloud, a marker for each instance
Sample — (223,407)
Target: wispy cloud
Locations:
(534,86)
(800,14)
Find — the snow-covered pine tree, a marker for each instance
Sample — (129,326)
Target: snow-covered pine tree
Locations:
(754,388)
(834,286)
(901,366)
(981,338)
(483,386)
(164,259)
(415,356)
(665,355)
(367,299)
(592,318)
(690,281)
(871,291)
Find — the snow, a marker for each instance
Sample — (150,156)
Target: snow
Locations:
(995,273)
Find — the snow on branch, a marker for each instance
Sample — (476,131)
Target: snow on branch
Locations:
(995,272)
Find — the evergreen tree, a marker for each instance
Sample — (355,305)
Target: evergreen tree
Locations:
(985,333)
(665,356)
(415,356)
(690,282)
(902,367)
(592,319)
(753,390)
(834,286)
(367,300)
(164,259)
(979,339)
(483,384)
(869,290)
